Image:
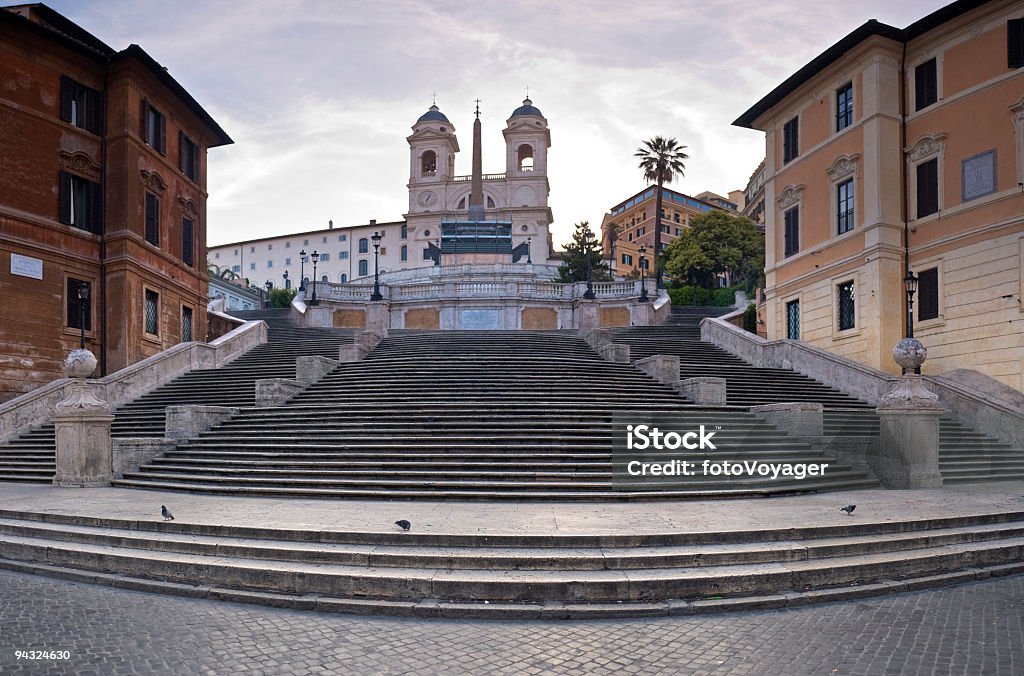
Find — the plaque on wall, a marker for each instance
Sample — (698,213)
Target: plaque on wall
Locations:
(978,175)
(25,266)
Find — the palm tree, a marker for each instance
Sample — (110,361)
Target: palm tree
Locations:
(661,160)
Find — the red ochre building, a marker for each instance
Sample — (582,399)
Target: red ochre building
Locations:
(103,182)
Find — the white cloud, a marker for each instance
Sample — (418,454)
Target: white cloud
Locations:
(319,95)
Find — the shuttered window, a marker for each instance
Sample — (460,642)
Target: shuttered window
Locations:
(80,105)
(792,233)
(790,140)
(926,84)
(152,219)
(153,127)
(76,305)
(187,242)
(188,156)
(927,188)
(928,294)
(81,203)
(1015,43)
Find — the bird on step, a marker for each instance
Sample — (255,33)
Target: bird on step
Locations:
(166,513)
(848,509)
(403,524)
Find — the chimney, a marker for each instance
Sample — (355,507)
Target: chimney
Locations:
(330,225)
(373,221)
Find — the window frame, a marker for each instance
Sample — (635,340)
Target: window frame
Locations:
(188,244)
(146,334)
(919,304)
(848,215)
(786,251)
(151,218)
(925,149)
(74,189)
(838,300)
(181,324)
(786,318)
(936,85)
(364,267)
(844,110)
(73,96)
(153,127)
(188,157)
(791,140)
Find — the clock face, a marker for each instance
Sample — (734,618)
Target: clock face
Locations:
(427,198)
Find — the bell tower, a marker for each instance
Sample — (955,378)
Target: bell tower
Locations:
(527,140)
(432,148)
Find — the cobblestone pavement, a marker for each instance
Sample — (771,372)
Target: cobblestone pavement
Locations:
(976,628)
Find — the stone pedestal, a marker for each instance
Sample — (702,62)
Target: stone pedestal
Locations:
(704,391)
(319,316)
(276,391)
(187,421)
(82,421)
(377,317)
(589,314)
(311,369)
(799,419)
(662,367)
(908,445)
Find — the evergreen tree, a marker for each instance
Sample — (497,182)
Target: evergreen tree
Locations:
(584,247)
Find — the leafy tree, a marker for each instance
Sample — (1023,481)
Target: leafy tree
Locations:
(584,247)
(661,160)
(717,242)
(281,297)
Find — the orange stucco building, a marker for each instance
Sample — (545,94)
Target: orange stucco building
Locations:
(103,185)
(895,150)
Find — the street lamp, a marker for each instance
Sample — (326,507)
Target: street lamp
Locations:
(643,283)
(83,300)
(315,257)
(529,261)
(589,294)
(910,284)
(376,270)
(269,285)
(302,270)
(285,275)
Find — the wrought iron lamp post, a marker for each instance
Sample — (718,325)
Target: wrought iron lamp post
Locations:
(83,301)
(643,282)
(314,257)
(302,270)
(529,260)
(376,269)
(285,275)
(269,286)
(910,284)
(589,294)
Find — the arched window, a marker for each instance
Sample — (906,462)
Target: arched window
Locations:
(364,245)
(325,279)
(462,203)
(405,253)
(405,231)
(524,157)
(343,278)
(428,163)
(490,202)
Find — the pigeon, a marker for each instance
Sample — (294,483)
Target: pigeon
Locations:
(166,513)
(848,509)
(403,524)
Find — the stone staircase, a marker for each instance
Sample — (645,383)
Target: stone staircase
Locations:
(516,576)
(470,415)
(965,455)
(31,456)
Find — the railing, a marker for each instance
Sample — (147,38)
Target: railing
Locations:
(486,177)
(507,289)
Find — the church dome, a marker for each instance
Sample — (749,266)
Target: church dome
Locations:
(433,115)
(526,109)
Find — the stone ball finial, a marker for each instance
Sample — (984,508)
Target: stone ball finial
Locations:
(909,353)
(80,364)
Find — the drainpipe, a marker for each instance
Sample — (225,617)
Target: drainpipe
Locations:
(103,230)
(903,162)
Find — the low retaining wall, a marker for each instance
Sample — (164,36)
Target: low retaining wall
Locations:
(36,407)
(970,406)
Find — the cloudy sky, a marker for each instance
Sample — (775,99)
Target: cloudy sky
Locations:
(319,95)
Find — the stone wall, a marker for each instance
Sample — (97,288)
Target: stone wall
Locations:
(539,318)
(349,319)
(422,318)
(614,316)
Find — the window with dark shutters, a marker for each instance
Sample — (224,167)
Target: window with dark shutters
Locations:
(792,232)
(186,241)
(154,128)
(80,203)
(927,188)
(188,156)
(80,105)
(152,219)
(926,84)
(928,292)
(790,140)
(1015,43)
(76,305)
